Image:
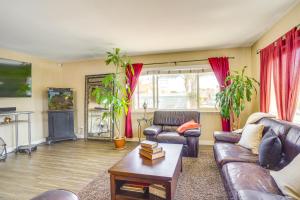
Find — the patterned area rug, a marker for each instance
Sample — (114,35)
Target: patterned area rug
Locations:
(200,179)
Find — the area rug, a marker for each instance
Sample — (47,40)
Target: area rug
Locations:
(200,179)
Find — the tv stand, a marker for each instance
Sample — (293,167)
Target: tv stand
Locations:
(24,148)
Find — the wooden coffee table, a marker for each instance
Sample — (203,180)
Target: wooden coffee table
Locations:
(133,167)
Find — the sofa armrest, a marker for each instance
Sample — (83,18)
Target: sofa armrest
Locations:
(192,133)
(152,130)
(257,195)
(222,136)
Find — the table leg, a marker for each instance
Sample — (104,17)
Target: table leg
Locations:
(113,187)
(17,133)
(29,133)
(139,132)
(169,190)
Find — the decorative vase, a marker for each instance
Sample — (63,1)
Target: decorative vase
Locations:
(7,120)
(145,106)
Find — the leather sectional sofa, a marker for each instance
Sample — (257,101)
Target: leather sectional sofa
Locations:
(243,177)
(164,127)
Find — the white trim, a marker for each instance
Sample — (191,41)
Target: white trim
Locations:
(206,142)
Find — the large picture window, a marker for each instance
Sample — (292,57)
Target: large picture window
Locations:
(176,89)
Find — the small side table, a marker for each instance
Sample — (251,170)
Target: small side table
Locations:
(147,121)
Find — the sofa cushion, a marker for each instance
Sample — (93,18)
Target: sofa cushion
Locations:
(270,150)
(171,137)
(187,126)
(251,137)
(174,118)
(248,176)
(256,195)
(228,152)
(288,179)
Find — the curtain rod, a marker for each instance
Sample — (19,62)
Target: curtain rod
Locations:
(258,50)
(180,61)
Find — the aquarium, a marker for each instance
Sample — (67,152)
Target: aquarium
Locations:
(60,99)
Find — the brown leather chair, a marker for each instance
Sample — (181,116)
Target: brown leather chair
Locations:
(56,195)
(164,127)
(243,177)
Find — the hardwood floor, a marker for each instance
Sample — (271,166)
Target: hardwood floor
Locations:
(69,165)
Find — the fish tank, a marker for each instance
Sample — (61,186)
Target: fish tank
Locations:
(60,99)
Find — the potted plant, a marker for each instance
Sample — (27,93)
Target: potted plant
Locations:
(233,98)
(113,94)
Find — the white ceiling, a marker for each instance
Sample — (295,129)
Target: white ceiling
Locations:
(65,30)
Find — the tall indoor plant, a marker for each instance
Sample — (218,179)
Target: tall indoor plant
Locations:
(232,99)
(114,93)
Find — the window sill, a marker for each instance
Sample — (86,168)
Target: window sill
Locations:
(201,110)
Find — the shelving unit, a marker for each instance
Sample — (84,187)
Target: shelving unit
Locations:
(24,148)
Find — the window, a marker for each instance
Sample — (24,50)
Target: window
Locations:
(176,89)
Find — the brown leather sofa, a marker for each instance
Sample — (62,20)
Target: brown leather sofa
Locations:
(56,195)
(164,127)
(243,177)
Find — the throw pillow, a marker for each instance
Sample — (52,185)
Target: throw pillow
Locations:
(251,137)
(288,179)
(270,150)
(188,125)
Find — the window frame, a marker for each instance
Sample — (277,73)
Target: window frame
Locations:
(155,93)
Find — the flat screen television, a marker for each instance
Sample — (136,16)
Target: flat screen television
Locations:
(15,78)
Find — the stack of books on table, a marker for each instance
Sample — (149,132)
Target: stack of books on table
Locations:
(135,187)
(157,192)
(151,150)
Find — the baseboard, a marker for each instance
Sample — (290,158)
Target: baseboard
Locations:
(43,140)
(206,142)
(80,136)
(134,139)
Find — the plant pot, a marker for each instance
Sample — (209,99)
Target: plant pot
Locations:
(119,143)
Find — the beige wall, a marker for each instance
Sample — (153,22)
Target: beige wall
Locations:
(49,74)
(44,74)
(74,73)
(289,21)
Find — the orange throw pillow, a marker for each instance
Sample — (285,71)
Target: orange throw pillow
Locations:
(188,125)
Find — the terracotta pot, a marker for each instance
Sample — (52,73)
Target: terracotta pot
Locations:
(119,143)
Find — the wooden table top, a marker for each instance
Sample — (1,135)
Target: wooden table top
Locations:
(134,165)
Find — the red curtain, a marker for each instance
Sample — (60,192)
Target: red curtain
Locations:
(220,67)
(286,73)
(132,80)
(266,62)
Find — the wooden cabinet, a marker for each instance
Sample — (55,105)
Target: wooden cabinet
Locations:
(61,126)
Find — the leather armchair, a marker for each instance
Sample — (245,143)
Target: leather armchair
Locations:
(160,133)
(153,130)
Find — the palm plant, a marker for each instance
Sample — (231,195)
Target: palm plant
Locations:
(113,94)
(232,100)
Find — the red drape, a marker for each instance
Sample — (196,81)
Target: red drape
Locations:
(132,80)
(220,67)
(266,62)
(286,73)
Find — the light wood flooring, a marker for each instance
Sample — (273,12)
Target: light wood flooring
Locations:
(69,165)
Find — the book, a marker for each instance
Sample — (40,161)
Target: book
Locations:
(158,190)
(149,144)
(152,156)
(135,187)
(152,150)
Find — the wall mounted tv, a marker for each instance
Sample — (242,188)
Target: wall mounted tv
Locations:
(15,78)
